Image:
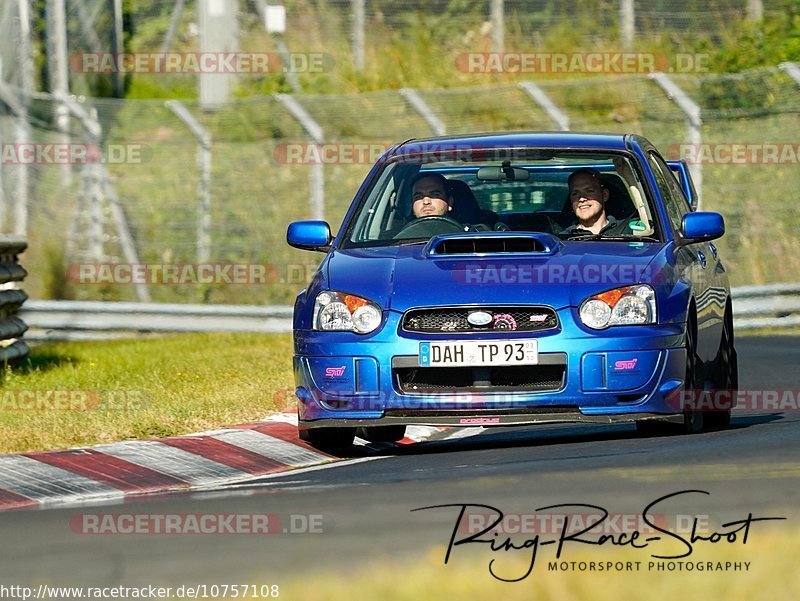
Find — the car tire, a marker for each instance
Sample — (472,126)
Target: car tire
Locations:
(382,433)
(693,417)
(727,373)
(326,439)
(654,427)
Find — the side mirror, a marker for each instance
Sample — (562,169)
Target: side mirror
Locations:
(702,226)
(309,235)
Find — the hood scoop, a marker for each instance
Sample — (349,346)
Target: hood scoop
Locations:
(492,243)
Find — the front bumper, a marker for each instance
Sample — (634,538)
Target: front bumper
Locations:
(621,374)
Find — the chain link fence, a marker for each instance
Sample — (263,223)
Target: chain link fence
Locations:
(366,33)
(143,202)
(262,161)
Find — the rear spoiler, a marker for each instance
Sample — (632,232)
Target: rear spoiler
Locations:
(681,171)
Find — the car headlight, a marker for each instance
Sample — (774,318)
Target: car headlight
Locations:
(622,306)
(340,312)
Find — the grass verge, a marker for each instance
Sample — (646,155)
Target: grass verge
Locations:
(86,393)
(772,574)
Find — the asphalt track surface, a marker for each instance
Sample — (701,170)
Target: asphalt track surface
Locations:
(366,506)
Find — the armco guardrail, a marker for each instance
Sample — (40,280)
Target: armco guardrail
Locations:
(59,319)
(11,326)
(773,306)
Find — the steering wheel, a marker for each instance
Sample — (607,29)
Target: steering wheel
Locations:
(431,225)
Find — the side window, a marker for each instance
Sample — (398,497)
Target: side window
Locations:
(674,200)
(679,177)
(674,185)
(374,220)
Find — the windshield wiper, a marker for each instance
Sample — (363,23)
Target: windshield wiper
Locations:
(613,238)
(585,237)
(410,241)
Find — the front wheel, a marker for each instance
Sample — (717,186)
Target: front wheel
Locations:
(329,439)
(727,374)
(693,384)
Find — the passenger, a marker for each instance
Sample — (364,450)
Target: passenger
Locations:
(588,197)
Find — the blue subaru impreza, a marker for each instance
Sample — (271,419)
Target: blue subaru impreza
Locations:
(510,279)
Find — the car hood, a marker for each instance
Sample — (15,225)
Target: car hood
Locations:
(402,277)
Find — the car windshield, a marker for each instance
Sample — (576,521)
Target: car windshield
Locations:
(556,191)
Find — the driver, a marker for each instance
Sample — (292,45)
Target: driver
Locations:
(430,196)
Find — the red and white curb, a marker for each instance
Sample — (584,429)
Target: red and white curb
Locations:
(112,472)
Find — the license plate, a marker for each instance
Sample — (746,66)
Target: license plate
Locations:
(478,352)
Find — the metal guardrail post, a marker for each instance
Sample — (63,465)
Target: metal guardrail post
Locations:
(203,137)
(283,49)
(540,97)
(792,70)
(425,111)
(755,10)
(692,111)
(87,29)
(627,24)
(119,77)
(357,26)
(99,181)
(17,101)
(58,73)
(24,134)
(177,12)
(89,185)
(218,25)
(317,173)
(497,18)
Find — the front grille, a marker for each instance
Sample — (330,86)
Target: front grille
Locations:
(503,318)
(514,378)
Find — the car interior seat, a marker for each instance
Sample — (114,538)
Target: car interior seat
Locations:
(465,206)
